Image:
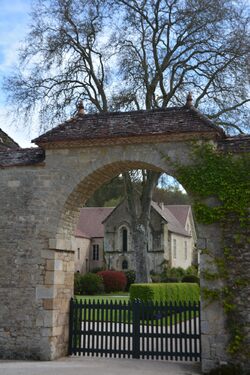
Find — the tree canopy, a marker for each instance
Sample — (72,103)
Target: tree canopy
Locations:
(134,54)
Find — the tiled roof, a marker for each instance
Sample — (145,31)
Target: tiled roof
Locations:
(6,142)
(90,221)
(173,224)
(236,144)
(115,125)
(180,211)
(21,156)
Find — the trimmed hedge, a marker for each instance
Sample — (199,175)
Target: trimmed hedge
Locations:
(165,292)
(114,281)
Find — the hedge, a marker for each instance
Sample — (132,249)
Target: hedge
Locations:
(165,292)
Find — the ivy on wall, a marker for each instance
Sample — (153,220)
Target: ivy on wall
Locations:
(220,186)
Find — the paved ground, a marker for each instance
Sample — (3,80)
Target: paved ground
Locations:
(98,366)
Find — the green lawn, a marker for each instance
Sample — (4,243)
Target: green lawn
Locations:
(114,297)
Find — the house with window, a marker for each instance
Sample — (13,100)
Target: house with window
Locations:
(171,238)
(89,238)
(103,238)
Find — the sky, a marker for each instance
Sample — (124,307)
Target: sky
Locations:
(14,21)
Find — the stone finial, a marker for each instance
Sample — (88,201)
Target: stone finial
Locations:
(189,102)
(80,108)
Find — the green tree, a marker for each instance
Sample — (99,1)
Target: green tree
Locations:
(135,54)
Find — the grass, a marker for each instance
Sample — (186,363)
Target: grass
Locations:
(122,299)
(114,297)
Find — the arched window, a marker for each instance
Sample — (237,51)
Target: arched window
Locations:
(124,239)
(124,264)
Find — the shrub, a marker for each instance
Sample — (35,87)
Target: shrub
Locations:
(191,270)
(114,281)
(191,279)
(77,283)
(173,274)
(90,284)
(174,292)
(98,269)
(130,275)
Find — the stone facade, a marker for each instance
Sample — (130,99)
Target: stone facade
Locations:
(170,244)
(39,209)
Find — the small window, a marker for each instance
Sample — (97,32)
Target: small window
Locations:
(186,250)
(174,248)
(95,252)
(78,253)
(125,265)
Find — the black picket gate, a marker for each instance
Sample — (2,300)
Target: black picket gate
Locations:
(169,331)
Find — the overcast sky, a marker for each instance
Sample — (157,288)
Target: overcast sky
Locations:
(14,21)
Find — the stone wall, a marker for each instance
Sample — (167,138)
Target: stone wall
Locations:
(39,210)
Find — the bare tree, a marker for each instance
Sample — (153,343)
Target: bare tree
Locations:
(135,54)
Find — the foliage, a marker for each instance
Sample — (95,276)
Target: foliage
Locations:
(172,274)
(113,280)
(98,269)
(220,188)
(77,283)
(130,275)
(173,292)
(190,279)
(88,284)
(220,176)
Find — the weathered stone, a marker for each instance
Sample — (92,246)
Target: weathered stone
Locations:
(41,194)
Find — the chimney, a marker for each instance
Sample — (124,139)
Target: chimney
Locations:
(161,205)
(189,101)
(80,108)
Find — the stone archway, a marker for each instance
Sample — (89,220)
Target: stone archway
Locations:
(44,189)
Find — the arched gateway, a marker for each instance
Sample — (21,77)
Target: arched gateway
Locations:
(42,190)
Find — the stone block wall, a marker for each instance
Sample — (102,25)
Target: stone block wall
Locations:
(39,208)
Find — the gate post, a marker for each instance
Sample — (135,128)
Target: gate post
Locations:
(136,328)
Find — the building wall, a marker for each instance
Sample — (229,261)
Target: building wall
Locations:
(82,253)
(183,255)
(100,262)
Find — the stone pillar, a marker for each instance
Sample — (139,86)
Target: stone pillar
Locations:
(55,295)
(214,335)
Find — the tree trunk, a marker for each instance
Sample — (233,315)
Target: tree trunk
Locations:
(140,242)
(139,206)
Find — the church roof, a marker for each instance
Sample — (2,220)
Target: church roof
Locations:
(92,219)
(90,222)
(103,128)
(174,224)
(180,211)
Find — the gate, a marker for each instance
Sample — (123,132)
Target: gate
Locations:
(169,331)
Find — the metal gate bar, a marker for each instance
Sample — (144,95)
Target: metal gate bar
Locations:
(169,331)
